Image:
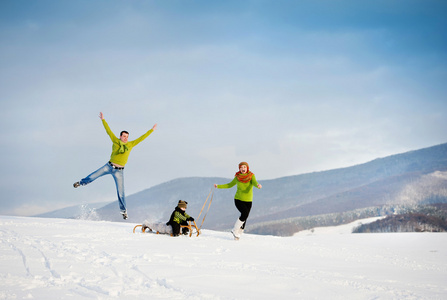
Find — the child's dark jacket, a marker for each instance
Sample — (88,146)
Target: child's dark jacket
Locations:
(179,216)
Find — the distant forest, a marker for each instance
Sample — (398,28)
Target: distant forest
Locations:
(415,218)
(429,218)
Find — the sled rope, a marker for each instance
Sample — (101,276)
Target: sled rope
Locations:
(204,204)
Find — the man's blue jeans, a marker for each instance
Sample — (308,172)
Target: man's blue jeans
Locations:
(117,174)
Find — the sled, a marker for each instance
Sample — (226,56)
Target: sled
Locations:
(162,228)
(166,229)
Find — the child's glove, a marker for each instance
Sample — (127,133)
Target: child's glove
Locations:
(190,219)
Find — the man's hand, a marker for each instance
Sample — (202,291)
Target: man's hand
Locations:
(154,127)
(101,116)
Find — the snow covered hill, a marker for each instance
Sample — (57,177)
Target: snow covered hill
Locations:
(74,259)
(411,178)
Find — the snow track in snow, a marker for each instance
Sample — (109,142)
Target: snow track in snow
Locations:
(73,259)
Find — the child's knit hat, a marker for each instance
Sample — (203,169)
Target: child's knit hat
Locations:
(182,204)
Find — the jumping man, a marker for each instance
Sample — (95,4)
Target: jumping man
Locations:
(121,148)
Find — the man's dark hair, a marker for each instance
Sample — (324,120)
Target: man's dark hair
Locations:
(123,132)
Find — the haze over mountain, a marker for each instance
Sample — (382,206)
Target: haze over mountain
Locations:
(410,178)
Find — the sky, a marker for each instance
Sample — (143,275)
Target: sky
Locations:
(291,87)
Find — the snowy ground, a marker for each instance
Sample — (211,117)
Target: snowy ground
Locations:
(72,259)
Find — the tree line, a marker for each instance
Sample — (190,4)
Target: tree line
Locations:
(400,218)
(427,218)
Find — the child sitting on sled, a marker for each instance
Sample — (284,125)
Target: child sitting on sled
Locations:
(179,217)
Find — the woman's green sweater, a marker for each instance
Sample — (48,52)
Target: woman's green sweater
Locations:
(244,190)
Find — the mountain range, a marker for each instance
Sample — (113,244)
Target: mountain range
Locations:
(410,178)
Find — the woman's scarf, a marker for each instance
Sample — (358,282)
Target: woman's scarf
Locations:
(244,178)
